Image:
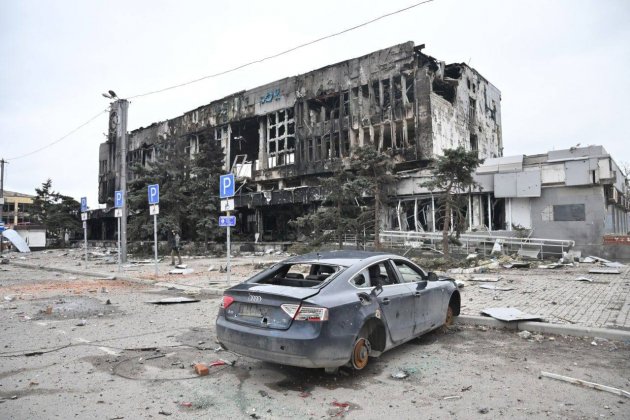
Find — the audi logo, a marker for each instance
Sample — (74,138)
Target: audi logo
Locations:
(255,298)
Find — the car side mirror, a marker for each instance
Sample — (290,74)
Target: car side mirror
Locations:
(377,290)
(432,276)
(421,285)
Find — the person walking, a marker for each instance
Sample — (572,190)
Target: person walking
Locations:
(173,243)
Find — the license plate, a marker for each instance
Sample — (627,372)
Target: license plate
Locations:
(250,310)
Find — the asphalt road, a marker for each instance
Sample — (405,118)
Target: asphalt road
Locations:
(66,353)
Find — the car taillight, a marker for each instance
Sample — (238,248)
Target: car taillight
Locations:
(305,313)
(227,301)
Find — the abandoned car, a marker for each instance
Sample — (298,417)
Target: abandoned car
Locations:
(333,309)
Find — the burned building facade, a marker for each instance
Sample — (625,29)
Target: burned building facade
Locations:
(281,137)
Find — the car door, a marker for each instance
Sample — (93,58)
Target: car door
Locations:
(396,301)
(427,297)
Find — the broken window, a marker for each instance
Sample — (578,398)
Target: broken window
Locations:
(365,92)
(472,111)
(346,103)
(474,144)
(398,94)
(399,134)
(387,136)
(410,88)
(411,131)
(445,89)
(386,93)
(280,138)
(376,89)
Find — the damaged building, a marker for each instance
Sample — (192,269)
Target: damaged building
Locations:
(578,194)
(281,137)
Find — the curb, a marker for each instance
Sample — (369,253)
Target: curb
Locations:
(83,272)
(546,328)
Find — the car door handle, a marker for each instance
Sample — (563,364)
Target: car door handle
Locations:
(385,301)
(417,294)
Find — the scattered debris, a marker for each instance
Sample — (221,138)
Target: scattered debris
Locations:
(584,279)
(603,271)
(593,385)
(467,388)
(9,298)
(528,253)
(172,301)
(598,259)
(526,335)
(182,266)
(472,270)
(551,266)
(614,265)
(81,323)
(483,411)
(516,264)
(488,279)
(164,413)
(509,314)
(185,404)
(182,271)
(212,268)
(587,260)
(497,288)
(401,374)
(460,284)
(452,397)
(201,369)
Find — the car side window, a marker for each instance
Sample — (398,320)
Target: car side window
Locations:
(380,274)
(409,273)
(361,280)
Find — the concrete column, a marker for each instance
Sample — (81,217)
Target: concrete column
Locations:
(489,214)
(262,145)
(432,213)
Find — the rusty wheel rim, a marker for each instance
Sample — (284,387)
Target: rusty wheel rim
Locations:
(360,354)
(449,317)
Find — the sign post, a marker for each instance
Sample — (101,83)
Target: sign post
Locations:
(154,210)
(1,230)
(226,190)
(118,204)
(84,209)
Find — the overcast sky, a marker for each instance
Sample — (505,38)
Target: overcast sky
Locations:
(561,66)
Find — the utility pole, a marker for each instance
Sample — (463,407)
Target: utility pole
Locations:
(123,107)
(2,162)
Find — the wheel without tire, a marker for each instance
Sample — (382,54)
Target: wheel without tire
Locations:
(449,316)
(360,353)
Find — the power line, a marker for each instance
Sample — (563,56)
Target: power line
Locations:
(352,28)
(62,137)
(233,69)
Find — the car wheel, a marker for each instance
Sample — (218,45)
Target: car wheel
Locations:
(360,353)
(449,317)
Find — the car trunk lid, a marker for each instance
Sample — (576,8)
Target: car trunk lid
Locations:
(260,305)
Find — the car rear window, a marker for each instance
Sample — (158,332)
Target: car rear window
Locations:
(301,274)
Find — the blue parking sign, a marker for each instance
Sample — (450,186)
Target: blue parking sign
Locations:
(118,199)
(84,204)
(226,186)
(225,221)
(154,194)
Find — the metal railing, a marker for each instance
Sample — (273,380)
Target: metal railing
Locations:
(482,243)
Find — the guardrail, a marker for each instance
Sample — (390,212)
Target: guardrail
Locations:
(478,242)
